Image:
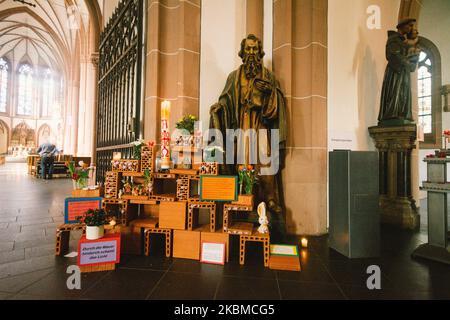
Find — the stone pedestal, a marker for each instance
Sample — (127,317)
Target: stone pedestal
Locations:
(394,145)
(438,189)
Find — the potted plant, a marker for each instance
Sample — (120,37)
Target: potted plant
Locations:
(95,220)
(247,180)
(79,175)
(137,145)
(148,182)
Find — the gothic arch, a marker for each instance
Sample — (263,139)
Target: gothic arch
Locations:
(23,134)
(4,131)
(43,132)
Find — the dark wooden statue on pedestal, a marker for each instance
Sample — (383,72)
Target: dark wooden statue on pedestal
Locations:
(252,99)
(396,132)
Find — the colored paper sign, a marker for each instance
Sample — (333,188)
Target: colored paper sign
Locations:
(283,250)
(212,252)
(101,251)
(77,207)
(218,188)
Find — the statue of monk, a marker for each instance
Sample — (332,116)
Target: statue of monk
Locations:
(396,98)
(252,99)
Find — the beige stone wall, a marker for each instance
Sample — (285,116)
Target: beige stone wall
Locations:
(172,61)
(300,63)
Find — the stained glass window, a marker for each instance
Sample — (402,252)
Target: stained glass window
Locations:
(48,93)
(3,84)
(424,86)
(25,90)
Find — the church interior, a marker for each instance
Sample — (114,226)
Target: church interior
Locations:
(115,121)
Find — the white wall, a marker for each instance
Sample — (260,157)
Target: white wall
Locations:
(221,35)
(356,65)
(434,19)
(108,9)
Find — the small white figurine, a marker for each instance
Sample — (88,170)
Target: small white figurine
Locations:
(263,221)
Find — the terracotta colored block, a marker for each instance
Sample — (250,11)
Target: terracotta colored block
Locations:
(219,237)
(131,240)
(186,244)
(87,193)
(284,263)
(172,215)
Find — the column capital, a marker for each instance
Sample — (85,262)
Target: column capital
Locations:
(95,58)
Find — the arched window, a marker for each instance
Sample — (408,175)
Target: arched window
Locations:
(428,94)
(3,84)
(48,93)
(25,91)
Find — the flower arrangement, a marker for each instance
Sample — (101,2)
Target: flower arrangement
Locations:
(247,179)
(446,133)
(137,149)
(148,182)
(187,123)
(93,218)
(79,175)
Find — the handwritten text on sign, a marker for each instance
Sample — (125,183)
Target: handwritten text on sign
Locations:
(98,252)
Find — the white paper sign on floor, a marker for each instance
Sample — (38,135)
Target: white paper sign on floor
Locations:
(213,253)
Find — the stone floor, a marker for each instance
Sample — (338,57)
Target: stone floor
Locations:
(30,209)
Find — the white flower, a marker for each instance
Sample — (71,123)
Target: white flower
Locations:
(81,163)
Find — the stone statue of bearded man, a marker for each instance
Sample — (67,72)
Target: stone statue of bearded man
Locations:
(252,99)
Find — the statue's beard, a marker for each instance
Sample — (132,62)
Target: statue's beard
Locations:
(252,66)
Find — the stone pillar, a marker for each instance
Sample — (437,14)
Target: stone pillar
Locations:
(255,18)
(395,145)
(94,64)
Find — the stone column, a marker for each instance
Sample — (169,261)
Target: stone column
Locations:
(255,17)
(95,57)
(397,204)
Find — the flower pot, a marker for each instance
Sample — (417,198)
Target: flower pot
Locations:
(81,183)
(94,233)
(245,199)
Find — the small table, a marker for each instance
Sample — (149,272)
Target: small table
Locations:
(202,205)
(227,208)
(167,233)
(255,237)
(63,237)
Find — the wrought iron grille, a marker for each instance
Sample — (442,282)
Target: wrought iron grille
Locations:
(119,94)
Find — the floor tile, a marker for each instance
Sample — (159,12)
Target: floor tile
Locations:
(16,283)
(291,290)
(124,284)
(231,288)
(183,286)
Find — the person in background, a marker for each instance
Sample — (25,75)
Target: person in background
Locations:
(47,152)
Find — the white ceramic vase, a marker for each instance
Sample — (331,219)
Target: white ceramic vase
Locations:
(94,233)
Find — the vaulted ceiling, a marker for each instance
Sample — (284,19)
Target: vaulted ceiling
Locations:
(46,34)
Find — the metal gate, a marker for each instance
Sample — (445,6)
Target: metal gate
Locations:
(119,94)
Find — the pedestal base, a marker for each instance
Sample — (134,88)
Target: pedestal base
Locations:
(428,251)
(400,212)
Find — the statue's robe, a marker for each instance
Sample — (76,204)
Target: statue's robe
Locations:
(396,98)
(232,112)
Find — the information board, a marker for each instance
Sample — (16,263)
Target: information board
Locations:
(218,188)
(212,252)
(76,207)
(102,251)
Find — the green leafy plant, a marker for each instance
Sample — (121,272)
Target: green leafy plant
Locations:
(247,179)
(187,123)
(78,173)
(137,145)
(93,218)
